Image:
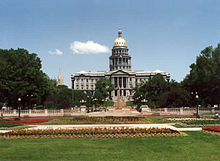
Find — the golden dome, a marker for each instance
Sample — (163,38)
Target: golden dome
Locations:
(120,41)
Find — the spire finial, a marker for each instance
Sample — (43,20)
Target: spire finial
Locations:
(60,78)
(119,33)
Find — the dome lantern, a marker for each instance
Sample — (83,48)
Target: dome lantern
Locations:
(120,41)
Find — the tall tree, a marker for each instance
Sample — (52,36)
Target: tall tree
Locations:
(103,89)
(150,90)
(21,77)
(174,97)
(61,98)
(204,77)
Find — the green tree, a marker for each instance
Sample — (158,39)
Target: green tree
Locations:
(61,98)
(78,97)
(204,77)
(103,89)
(174,97)
(150,90)
(21,77)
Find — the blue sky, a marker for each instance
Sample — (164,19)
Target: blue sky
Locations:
(160,34)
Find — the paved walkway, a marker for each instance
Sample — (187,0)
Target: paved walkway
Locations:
(4,131)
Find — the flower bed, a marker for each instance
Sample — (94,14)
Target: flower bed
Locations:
(202,122)
(102,120)
(188,119)
(25,121)
(113,132)
(212,128)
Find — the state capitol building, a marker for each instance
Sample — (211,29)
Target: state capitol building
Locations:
(120,73)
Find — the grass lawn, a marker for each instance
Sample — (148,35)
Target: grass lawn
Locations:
(195,147)
(156,119)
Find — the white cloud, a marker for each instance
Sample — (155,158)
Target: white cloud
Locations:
(88,47)
(56,52)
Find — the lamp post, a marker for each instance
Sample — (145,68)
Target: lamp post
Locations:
(88,103)
(19,108)
(144,101)
(197,105)
(82,104)
(72,100)
(95,99)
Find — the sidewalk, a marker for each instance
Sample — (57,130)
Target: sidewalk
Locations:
(4,131)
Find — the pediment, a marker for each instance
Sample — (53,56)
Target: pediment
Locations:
(82,75)
(120,72)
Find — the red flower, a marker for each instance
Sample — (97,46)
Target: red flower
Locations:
(25,121)
(212,128)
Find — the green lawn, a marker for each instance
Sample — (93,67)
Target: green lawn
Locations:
(195,147)
(156,119)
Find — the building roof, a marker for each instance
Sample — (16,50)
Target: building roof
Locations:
(104,73)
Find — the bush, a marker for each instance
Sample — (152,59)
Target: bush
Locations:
(109,103)
(129,103)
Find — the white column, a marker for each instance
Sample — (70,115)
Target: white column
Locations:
(122,82)
(112,80)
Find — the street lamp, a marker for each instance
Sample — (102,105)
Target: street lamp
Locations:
(19,108)
(144,101)
(88,103)
(197,103)
(95,99)
(82,102)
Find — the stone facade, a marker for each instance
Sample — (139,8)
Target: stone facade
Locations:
(120,73)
